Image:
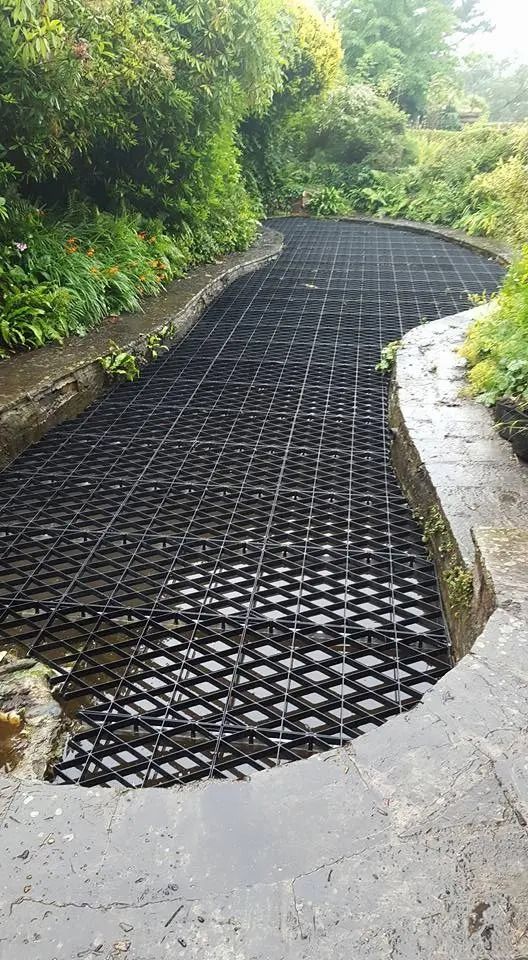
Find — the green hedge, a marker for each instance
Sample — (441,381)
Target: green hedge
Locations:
(120,157)
(497,344)
(475,179)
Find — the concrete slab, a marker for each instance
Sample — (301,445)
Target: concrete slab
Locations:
(411,842)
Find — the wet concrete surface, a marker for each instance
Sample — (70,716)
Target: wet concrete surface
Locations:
(502,556)
(454,467)
(410,843)
(447,450)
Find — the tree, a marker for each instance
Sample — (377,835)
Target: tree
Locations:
(312,56)
(502,84)
(399,46)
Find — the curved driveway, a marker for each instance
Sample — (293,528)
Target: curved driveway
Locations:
(218,560)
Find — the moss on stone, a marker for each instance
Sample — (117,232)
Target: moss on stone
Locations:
(457,578)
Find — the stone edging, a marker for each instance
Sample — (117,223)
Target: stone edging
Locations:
(47,386)
(458,474)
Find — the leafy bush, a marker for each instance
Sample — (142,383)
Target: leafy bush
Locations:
(382,193)
(499,199)
(64,276)
(334,141)
(497,344)
(328,202)
(273,169)
(34,315)
(131,112)
(441,183)
(475,179)
(350,126)
(134,109)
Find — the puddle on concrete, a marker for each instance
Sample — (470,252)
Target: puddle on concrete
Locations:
(12,744)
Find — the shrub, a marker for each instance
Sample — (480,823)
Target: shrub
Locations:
(312,56)
(32,316)
(63,276)
(334,141)
(350,126)
(476,179)
(440,184)
(497,344)
(499,199)
(133,108)
(328,202)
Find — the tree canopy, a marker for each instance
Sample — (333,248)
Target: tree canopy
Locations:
(501,84)
(138,137)
(400,46)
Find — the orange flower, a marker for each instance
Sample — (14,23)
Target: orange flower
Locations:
(142,278)
(90,252)
(113,270)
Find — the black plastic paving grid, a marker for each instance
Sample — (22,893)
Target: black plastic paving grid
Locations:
(217,560)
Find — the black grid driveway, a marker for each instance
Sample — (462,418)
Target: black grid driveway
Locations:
(217,560)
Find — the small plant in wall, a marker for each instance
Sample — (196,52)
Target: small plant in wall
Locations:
(459,582)
(155,346)
(119,363)
(479,299)
(168,330)
(388,357)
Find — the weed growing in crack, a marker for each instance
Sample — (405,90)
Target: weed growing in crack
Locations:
(120,363)
(388,357)
(155,345)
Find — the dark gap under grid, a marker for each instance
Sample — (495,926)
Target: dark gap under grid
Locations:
(217,560)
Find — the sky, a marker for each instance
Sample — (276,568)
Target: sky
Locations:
(510,36)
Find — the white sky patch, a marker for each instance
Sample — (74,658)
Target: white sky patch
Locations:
(508,39)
